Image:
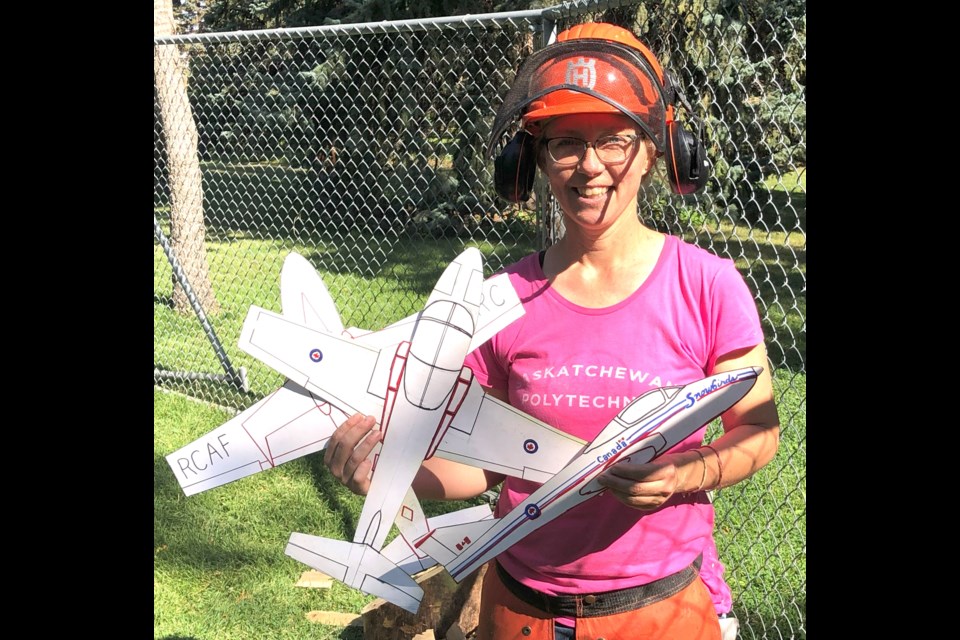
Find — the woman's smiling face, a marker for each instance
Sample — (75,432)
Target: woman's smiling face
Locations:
(591,192)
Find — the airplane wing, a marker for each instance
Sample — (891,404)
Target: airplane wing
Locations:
(343,372)
(289,423)
(402,550)
(499,307)
(357,565)
(492,434)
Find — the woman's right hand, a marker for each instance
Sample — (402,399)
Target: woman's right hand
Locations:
(347,454)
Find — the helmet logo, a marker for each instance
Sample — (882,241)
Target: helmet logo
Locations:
(582,72)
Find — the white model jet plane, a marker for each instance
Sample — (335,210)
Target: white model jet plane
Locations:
(292,422)
(428,404)
(645,428)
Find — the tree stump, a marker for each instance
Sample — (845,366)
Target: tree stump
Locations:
(462,615)
(445,604)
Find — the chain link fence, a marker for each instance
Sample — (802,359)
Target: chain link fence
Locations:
(360,147)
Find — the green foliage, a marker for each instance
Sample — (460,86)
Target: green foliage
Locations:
(454,220)
(413,110)
(742,66)
(242,15)
(438,224)
(691,217)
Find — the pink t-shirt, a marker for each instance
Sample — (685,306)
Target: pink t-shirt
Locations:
(575,368)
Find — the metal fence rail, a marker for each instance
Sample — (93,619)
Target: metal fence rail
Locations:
(360,147)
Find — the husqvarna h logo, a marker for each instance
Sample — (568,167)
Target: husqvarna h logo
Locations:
(582,72)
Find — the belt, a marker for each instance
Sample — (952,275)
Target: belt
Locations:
(603,603)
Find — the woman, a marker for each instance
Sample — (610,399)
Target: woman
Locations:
(613,309)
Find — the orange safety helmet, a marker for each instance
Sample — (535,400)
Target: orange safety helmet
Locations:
(627,84)
(592,68)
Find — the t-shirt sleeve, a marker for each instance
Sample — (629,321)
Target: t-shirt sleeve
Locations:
(735,317)
(486,366)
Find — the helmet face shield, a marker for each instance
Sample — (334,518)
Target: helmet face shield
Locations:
(586,76)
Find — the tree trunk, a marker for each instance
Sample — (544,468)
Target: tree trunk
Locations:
(183,167)
(448,609)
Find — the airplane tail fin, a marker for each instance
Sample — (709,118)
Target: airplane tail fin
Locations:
(304,297)
(445,544)
(359,566)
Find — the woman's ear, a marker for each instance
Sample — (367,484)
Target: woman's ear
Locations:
(652,157)
(541,155)
(652,154)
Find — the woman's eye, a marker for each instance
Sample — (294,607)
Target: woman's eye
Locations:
(612,141)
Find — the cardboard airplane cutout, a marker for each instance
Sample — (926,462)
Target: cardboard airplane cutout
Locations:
(295,421)
(428,403)
(645,428)
(420,378)
(292,421)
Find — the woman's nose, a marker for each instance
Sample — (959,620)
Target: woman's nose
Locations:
(590,162)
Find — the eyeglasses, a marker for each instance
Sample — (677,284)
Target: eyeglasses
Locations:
(566,152)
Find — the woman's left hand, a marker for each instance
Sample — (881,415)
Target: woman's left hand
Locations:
(642,486)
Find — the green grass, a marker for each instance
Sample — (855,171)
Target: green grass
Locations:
(219,567)
(220,572)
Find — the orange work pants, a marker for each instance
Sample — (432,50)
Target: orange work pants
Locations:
(688,615)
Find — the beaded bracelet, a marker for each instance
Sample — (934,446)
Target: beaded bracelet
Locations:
(719,466)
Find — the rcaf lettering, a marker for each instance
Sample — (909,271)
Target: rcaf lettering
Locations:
(495,298)
(198,460)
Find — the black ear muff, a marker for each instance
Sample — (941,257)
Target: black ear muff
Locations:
(515,168)
(686,158)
